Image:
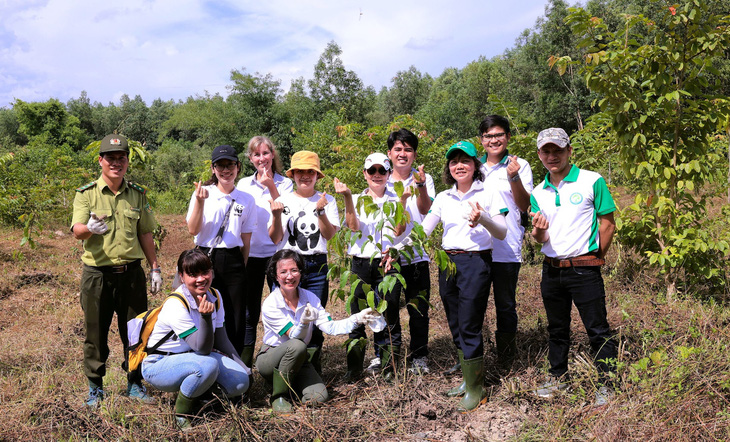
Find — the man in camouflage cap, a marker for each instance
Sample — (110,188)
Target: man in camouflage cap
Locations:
(115,222)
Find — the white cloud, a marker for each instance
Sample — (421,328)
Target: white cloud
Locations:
(179,48)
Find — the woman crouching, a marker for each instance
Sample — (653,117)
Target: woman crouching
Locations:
(290,314)
(196,352)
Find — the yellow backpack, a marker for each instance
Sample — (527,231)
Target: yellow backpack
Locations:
(139,330)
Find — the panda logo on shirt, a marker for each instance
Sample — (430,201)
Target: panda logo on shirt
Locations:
(304,231)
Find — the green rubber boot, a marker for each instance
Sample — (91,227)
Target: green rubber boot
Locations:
(280,393)
(247,356)
(315,358)
(506,350)
(461,388)
(389,358)
(473,371)
(355,359)
(184,407)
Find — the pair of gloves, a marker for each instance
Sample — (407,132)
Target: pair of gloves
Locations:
(367,316)
(97,225)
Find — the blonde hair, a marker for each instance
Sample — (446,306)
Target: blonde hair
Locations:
(253,146)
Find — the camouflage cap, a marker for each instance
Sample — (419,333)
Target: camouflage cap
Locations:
(114,143)
(554,135)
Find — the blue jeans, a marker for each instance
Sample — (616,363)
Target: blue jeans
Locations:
(314,279)
(561,287)
(504,283)
(193,374)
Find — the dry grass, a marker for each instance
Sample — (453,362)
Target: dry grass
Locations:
(681,393)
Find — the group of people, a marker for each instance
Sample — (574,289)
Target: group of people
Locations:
(266,228)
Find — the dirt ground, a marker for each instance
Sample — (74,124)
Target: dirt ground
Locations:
(42,387)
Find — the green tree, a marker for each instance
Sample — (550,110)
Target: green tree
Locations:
(660,103)
(49,123)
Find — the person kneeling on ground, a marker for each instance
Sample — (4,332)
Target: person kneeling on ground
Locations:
(290,314)
(199,353)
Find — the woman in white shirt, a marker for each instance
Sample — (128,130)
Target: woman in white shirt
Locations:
(222,219)
(290,314)
(304,221)
(471,216)
(265,186)
(195,351)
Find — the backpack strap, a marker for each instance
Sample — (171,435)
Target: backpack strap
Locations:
(171,332)
(217,298)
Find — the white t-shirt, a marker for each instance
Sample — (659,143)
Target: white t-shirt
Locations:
(278,318)
(367,248)
(301,223)
(412,209)
(495,177)
(261,244)
(241,220)
(449,207)
(176,317)
(572,212)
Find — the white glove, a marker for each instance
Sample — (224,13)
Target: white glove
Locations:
(155,282)
(309,314)
(365,316)
(97,225)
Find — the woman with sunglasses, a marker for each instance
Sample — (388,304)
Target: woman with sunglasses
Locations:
(304,221)
(222,218)
(471,215)
(373,236)
(290,314)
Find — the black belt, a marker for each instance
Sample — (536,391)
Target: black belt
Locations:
(167,353)
(468,252)
(120,268)
(221,249)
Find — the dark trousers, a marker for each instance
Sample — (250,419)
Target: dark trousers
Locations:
(369,273)
(314,279)
(561,287)
(417,294)
(464,296)
(229,278)
(103,294)
(255,276)
(504,285)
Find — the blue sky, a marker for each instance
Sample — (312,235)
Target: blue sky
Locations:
(173,49)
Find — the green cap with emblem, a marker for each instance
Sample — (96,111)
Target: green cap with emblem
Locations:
(114,143)
(462,146)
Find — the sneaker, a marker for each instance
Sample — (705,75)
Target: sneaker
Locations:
(419,366)
(96,395)
(139,392)
(374,366)
(603,396)
(549,388)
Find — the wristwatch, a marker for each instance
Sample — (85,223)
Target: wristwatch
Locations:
(423,184)
(515,178)
(319,212)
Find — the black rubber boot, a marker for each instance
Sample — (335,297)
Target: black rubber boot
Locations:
(473,372)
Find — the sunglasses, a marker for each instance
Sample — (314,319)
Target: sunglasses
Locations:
(373,170)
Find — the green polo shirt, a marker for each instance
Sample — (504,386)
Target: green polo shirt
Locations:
(128,215)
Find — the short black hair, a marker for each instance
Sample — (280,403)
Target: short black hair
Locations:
(494,120)
(405,136)
(193,262)
(280,256)
(450,181)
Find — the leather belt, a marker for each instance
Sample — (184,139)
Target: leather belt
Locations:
(468,252)
(168,353)
(118,269)
(587,260)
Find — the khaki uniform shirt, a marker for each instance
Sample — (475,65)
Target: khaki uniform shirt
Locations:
(128,215)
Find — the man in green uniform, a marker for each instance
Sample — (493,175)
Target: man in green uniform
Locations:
(115,222)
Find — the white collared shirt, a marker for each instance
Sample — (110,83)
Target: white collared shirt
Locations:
(261,244)
(495,177)
(277,318)
(241,220)
(301,223)
(412,209)
(449,208)
(176,317)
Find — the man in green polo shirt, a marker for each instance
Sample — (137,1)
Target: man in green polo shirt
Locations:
(115,222)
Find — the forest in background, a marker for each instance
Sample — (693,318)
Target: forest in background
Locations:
(642,87)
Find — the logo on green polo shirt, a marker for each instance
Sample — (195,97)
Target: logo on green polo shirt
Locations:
(576,198)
